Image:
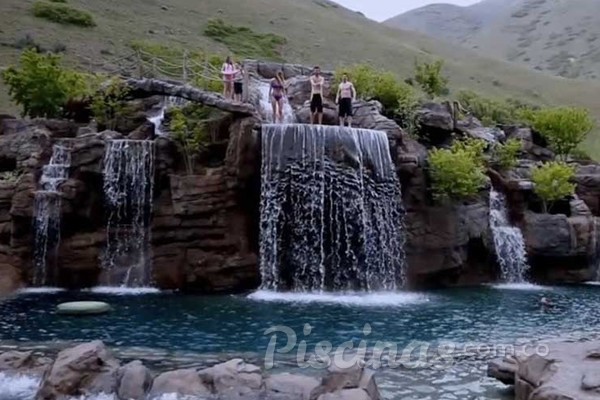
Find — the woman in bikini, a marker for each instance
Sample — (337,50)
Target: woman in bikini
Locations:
(277,93)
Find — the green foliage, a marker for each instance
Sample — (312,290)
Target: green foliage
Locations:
(580,155)
(494,112)
(564,127)
(58,1)
(457,173)
(429,77)
(244,42)
(62,14)
(109,103)
(506,155)
(188,127)
(553,181)
(41,86)
(383,86)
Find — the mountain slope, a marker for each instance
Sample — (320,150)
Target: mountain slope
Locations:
(317,31)
(561,37)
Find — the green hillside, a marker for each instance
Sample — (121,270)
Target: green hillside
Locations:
(316,32)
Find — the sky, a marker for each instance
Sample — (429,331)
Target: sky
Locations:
(380,10)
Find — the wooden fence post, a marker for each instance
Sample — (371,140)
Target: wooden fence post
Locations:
(185,74)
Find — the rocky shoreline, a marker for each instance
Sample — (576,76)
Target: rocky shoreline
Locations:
(90,369)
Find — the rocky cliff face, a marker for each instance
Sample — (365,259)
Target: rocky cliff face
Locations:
(205,226)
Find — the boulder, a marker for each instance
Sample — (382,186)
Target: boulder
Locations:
(10,280)
(184,382)
(503,369)
(89,368)
(23,362)
(587,178)
(135,381)
(489,135)
(435,116)
(291,385)
(351,382)
(233,376)
(567,371)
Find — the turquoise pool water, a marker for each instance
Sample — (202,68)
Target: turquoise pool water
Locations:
(196,329)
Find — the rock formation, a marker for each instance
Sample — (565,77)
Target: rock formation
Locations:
(91,368)
(567,371)
(205,225)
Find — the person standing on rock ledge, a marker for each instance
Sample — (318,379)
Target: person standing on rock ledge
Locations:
(229,72)
(346,94)
(316,96)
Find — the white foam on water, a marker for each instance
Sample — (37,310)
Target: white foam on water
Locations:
(100,396)
(592,283)
(175,396)
(124,291)
(519,286)
(377,299)
(46,289)
(18,386)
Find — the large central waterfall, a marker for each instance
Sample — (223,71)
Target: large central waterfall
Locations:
(331,211)
(47,210)
(128,190)
(508,242)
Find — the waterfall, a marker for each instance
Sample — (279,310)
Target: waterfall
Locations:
(508,242)
(128,190)
(265,107)
(331,216)
(47,208)
(159,116)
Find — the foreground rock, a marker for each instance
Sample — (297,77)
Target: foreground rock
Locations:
(570,371)
(90,368)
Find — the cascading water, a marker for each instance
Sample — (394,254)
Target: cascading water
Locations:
(128,190)
(266,108)
(508,242)
(159,116)
(47,209)
(331,214)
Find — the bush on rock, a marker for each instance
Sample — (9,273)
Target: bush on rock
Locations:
(429,77)
(506,155)
(553,181)
(458,172)
(565,128)
(109,103)
(188,129)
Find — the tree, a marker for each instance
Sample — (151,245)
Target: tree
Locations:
(189,134)
(458,172)
(41,86)
(429,77)
(110,102)
(553,181)
(565,128)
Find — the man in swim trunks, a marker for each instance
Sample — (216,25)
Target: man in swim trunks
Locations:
(346,94)
(316,96)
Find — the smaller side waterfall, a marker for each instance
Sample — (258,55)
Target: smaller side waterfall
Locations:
(47,211)
(128,191)
(159,116)
(266,108)
(508,242)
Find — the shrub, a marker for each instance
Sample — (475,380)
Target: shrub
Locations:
(245,42)
(109,103)
(10,176)
(188,129)
(506,155)
(494,112)
(429,77)
(553,181)
(565,128)
(580,155)
(62,14)
(383,86)
(458,172)
(41,86)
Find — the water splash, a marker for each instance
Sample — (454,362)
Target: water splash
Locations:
(128,191)
(47,209)
(380,299)
(266,108)
(508,242)
(331,214)
(18,386)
